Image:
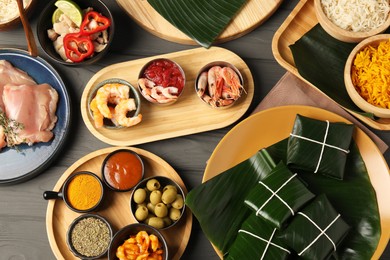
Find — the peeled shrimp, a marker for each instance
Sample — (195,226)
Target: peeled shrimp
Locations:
(110,93)
(157,94)
(97,116)
(121,110)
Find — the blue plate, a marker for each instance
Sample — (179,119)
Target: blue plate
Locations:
(17,165)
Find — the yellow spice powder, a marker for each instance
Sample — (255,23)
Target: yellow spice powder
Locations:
(83,192)
(371,74)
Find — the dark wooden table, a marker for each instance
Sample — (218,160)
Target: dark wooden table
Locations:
(22,208)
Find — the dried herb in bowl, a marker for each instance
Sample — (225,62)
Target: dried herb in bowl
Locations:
(89,236)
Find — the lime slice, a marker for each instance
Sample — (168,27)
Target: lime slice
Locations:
(70,9)
(56,15)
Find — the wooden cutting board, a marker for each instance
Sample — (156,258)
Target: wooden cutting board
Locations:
(253,13)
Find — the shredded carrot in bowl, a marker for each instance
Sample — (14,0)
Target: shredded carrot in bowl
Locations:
(370,74)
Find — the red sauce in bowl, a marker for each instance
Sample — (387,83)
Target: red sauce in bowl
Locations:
(165,73)
(122,170)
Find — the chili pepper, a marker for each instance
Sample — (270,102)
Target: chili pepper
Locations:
(78,46)
(102,23)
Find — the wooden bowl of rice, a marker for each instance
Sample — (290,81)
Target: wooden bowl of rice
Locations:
(367,75)
(9,13)
(353,21)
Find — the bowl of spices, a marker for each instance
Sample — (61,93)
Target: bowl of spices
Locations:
(89,236)
(122,170)
(353,21)
(132,240)
(157,201)
(161,81)
(367,75)
(82,192)
(219,84)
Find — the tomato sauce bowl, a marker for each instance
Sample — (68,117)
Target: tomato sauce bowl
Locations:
(122,170)
(161,81)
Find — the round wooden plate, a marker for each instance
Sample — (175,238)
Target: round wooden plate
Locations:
(272,125)
(188,115)
(116,205)
(253,13)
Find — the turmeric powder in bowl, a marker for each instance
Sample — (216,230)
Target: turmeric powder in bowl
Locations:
(84,191)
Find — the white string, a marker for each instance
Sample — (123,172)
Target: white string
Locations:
(264,240)
(323,144)
(321,233)
(276,195)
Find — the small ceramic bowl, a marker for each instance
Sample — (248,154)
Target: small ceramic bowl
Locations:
(160,92)
(131,230)
(93,230)
(45,23)
(342,34)
(122,170)
(71,200)
(201,82)
(133,93)
(12,8)
(163,184)
(354,95)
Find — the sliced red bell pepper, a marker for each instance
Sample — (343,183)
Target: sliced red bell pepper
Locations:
(78,46)
(102,23)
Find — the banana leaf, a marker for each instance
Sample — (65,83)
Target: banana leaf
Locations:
(201,20)
(224,195)
(258,240)
(306,140)
(304,234)
(320,59)
(354,198)
(278,197)
(218,203)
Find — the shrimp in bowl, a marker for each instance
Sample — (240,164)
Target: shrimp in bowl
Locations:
(115,103)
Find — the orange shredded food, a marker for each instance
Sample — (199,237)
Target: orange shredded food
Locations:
(371,74)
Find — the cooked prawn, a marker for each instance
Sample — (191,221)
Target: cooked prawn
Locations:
(97,116)
(121,110)
(202,84)
(110,93)
(143,240)
(155,243)
(232,81)
(215,82)
(146,87)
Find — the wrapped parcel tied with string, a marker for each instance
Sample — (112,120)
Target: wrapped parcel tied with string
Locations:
(316,231)
(319,146)
(278,197)
(260,241)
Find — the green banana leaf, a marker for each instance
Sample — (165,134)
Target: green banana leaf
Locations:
(201,20)
(320,59)
(292,194)
(218,204)
(252,240)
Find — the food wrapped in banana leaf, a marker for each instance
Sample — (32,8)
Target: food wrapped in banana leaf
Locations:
(319,146)
(316,230)
(257,240)
(278,196)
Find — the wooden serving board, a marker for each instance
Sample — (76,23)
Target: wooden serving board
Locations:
(186,116)
(116,205)
(298,23)
(253,13)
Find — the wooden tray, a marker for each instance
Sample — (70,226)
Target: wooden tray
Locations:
(116,206)
(299,22)
(186,116)
(253,13)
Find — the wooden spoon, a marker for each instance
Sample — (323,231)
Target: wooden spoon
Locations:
(32,46)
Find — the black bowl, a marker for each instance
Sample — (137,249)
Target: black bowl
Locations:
(45,23)
(132,229)
(72,226)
